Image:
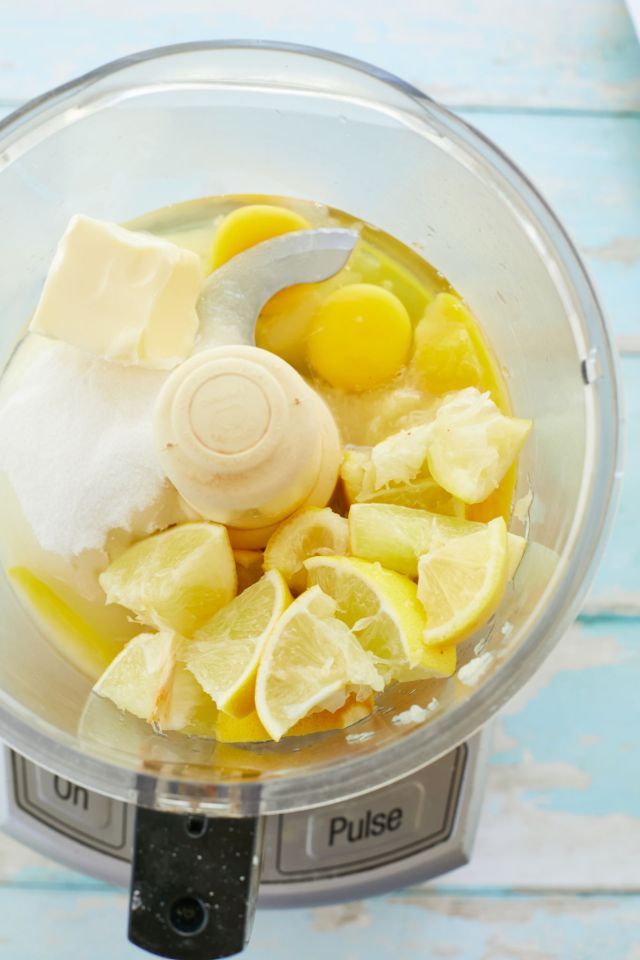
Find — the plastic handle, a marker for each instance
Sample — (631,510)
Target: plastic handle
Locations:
(194,883)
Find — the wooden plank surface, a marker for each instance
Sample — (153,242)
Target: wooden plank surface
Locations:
(550,54)
(555,874)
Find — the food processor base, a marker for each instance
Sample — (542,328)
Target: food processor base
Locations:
(412,830)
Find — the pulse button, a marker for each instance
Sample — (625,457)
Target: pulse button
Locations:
(365,827)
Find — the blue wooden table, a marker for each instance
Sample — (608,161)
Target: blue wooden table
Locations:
(556,873)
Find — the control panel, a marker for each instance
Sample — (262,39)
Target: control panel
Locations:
(411,830)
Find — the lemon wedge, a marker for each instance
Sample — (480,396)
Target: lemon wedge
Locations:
(448,351)
(398,536)
(139,679)
(421,491)
(472,444)
(461,582)
(309,533)
(311,659)
(90,649)
(176,579)
(148,680)
(224,655)
(250,730)
(382,609)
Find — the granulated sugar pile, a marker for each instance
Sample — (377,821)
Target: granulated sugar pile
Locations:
(76,442)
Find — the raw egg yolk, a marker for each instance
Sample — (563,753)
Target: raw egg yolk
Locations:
(360,337)
(246,226)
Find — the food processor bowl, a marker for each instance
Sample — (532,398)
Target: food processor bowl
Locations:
(203,119)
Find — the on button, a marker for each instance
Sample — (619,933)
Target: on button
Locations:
(72,803)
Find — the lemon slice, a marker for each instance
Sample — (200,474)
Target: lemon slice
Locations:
(448,351)
(250,730)
(398,536)
(420,492)
(461,582)
(148,680)
(187,708)
(310,658)
(309,533)
(176,579)
(382,609)
(90,649)
(472,444)
(139,679)
(224,655)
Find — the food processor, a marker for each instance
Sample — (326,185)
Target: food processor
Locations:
(200,830)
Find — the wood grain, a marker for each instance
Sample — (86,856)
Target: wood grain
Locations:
(557,54)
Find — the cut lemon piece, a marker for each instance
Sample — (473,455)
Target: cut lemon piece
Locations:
(360,337)
(461,582)
(310,658)
(398,536)
(148,680)
(139,679)
(448,351)
(472,444)
(421,492)
(89,649)
(225,653)
(176,579)
(251,730)
(309,533)
(252,224)
(248,567)
(382,609)
(187,707)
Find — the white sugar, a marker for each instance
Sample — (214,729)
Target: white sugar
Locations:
(76,443)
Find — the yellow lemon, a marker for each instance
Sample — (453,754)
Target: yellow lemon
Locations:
(306,534)
(91,650)
(148,680)
(224,655)
(382,609)
(472,445)
(421,491)
(176,579)
(250,730)
(311,659)
(398,536)
(461,582)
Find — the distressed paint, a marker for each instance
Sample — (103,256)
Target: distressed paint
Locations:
(459,51)
(415,924)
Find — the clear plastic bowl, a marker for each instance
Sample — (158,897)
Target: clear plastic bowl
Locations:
(215,118)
